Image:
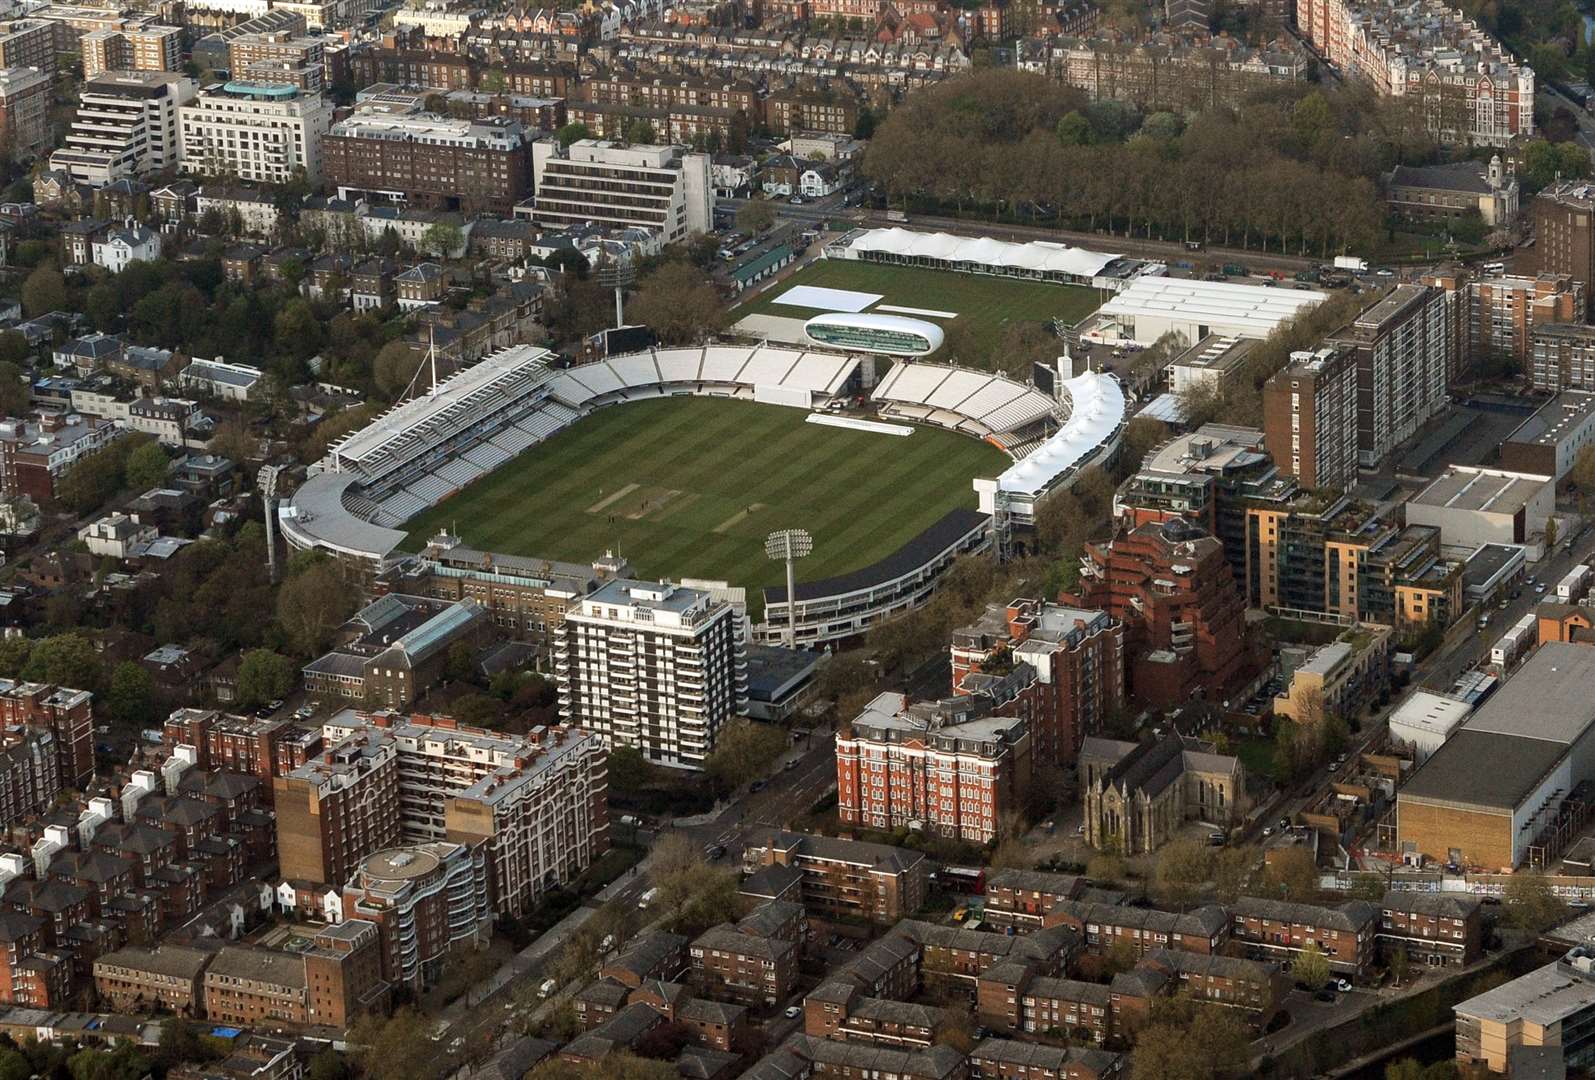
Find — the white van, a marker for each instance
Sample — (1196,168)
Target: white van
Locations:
(646,898)
(548,987)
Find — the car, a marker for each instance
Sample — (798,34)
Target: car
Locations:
(1385,271)
(1539,590)
(548,987)
(789,766)
(793,1012)
(1343,985)
(796,200)
(1267,832)
(757,786)
(274,705)
(1284,824)
(1215,839)
(714,851)
(1325,995)
(1079,830)
(961,914)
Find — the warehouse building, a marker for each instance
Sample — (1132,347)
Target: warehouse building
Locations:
(1535,734)
(1153,306)
(1472,507)
(1549,441)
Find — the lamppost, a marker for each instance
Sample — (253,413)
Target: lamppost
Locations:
(789,545)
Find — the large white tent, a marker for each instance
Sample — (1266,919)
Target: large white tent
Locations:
(982,254)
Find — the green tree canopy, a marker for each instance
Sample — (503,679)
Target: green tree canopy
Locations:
(131,695)
(263,676)
(147,467)
(43,291)
(66,660)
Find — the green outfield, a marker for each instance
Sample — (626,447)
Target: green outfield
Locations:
(689,487)
(989,304)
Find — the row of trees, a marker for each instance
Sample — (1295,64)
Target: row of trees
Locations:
(1294,172)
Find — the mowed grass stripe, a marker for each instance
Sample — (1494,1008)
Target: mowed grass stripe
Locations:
(861,495)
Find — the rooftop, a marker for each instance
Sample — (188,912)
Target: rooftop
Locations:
(1249,309)
(1564,414)
(1544,996)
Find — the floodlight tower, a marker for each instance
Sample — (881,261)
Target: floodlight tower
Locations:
(267,478)
(617,275)
(789,545)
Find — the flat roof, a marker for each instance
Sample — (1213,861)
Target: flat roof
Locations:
(1545,995)
(317,516)
(1489,490)
(1454,773)
(1489,561)
(1548,699)
(1556,419)
(1251,308)
(1427,711)
(1216,352)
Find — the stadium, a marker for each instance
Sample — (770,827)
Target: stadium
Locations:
(433,450)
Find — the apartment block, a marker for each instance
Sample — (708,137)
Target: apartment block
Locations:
(242,744)
(34,453)
(68,715)
(1338,678)
(256,133)
(839,1009)
(1023,898)
(1103,926)
(1170,585)
(656,666)
(662,188)
(279,56)
(31,972)
(424,899)
(854,878)
(136,979)
(1503,312)
(1400,347)
(1563,217)
(747,967)
(147,47)
(1009,1059)
(336,810)
(431,161)
(1172,71)
(1433,929)
(329,983)
(24,105)
(1077,656)
(1310,418)
(1561,357)
(125,127)
(1279,930)
(537,805)
(952,764)
(28,43)
(1552,1006)
(1410,51)
(30,772)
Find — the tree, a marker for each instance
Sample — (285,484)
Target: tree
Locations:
(1291,875)
(1182,866)
(956,1029)
(395,368)
(443,239)
(328,1065)
(679,303)
(1073,130)
(1400,964)
(14,394)
(1531,903)
(1583,475)
(743,751)
(234,441)
(14,652)
(1187,1040)
(131,696)
(45,290)
(1405,1069)
(1311,967)
(263,676)
(396,1046)
(756,215)
(494,81)
(312,604)
(66,660)
(571,133)
(628,770)
(147,467)
(298,329)
(1141,436)
(1550,533)
(14,1065)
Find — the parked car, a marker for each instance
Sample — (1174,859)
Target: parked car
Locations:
(757,786)
(793,1012)
(548,987)
(1325,995)
(1343,985)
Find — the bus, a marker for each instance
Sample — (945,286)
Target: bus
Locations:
(962,879)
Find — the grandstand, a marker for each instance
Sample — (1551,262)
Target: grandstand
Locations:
(1008,414)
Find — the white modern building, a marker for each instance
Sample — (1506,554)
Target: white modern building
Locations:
(1474,506)
(1149,307)
(652,665)
(126,125)
(663,188)
(255,132)
(1425,721)
(219,379)
(125,245)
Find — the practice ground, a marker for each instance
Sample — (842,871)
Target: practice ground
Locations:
(988,303)
(689,487)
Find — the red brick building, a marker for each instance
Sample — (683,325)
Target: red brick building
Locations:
(745,966)
(1433,929)
(67,714)
(1277,930)
(1078,656)
(242,744)
(1184,616)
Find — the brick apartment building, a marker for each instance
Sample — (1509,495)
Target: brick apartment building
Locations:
(30,772)
(1564,231)
(336,979)
(430,161)
(242,744)
(337,809)
(1278,930)
(35,453)
(24,109)
(1310,418)
(1078,657)
(67,714)
(1171,587)
(1023,898)
(747,967)
(1104,926)
(32,973)
(1503,313)
(838,1009)
(1434,929)
(136,979)
(1009,1059)
(850,878)
(425,900)
(951,764)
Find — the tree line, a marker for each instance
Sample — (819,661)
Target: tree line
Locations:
(1294,171)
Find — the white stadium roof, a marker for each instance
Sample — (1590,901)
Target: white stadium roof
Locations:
(1255,309)
(985,251)
(1097,412)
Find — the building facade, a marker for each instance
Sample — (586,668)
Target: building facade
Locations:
(1310,418)
(125,126)
(662,188)
(1138,796)
(1400,346)
(429,161)
(263,133)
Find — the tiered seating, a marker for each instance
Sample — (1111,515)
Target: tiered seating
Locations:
(636,370)
(512,440)
(559,412)
(359,505)
(487,456)
(600,376)
(570,390)
(539,425)
(1021,412)
(820,373)
(768,366)
(679,365)
(459,472)
(957,388)
(1020,449)
(430,489)
(400,506)
(991,397)
(723,365)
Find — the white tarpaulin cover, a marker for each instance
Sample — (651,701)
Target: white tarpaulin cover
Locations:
(985,251)
(1098,410)
(822,299)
